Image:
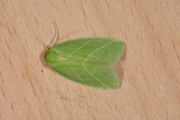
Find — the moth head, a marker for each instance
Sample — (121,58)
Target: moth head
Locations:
(51,56)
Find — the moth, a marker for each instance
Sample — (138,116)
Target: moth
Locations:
(86,60)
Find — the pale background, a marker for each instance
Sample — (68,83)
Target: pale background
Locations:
(151,83)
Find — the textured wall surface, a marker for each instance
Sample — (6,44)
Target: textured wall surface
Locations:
(151,83)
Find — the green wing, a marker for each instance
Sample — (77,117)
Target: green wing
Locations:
(102,50)
(91,74)
(86,61)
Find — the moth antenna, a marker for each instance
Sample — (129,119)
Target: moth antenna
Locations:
(56,35)
(46,47)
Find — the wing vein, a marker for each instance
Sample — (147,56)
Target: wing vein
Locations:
(95,77)
(78,48)
(75,72)
(98,49)
(85,54)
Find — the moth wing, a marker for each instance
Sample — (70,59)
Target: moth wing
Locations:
(95,75)
(101,50)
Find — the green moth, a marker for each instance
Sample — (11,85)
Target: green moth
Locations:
(86,60)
